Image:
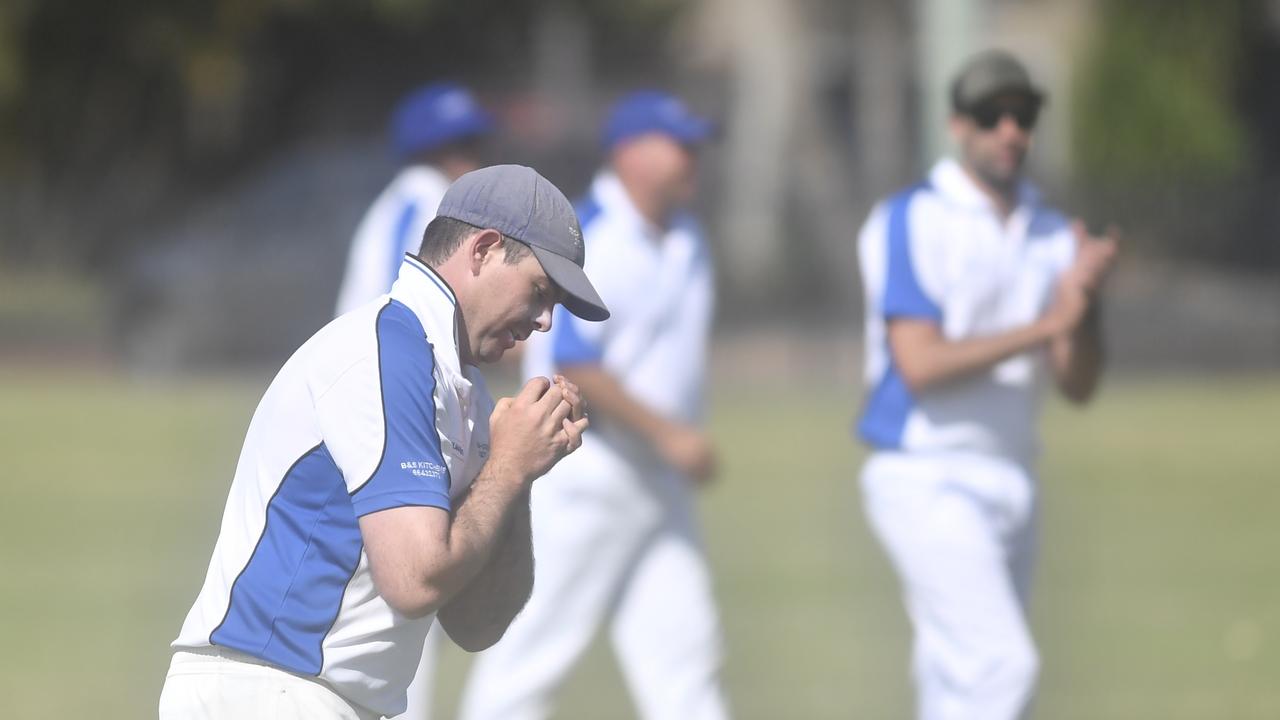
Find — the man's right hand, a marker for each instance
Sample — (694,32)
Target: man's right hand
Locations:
(531,432)
(688,450)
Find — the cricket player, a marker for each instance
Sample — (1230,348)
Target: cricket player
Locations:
(379,486)
(436,134)
(978,295)
(615,529)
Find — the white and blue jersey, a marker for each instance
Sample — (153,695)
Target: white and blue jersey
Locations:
(374,412)
(391,227)
(658,285)
(939,251)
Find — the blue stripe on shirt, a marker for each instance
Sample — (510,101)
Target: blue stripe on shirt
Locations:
(903,296)
(568,345)
(885,417)
(587,208)
(412,470)
(287,597)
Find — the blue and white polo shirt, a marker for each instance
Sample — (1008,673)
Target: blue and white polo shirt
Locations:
(659,286)
(374,412)
(940,251)
(391,227)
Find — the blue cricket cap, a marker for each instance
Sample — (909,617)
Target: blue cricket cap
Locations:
(649,111)
(436,115)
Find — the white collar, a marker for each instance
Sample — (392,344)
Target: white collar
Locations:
(612,195)
(431,299)
(952,182)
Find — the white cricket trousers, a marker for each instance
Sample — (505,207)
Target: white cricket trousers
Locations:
(960,529)
(614,544)
(220,684)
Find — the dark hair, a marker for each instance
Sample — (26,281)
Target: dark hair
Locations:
(444,235)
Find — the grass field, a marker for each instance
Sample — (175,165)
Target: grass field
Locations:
(1158,594)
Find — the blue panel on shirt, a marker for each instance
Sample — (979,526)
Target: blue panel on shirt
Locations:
(412,470)
(568,346)
(401,241)
(1045,225)
(288,595)
(885,417)
(587,208)
(903,296)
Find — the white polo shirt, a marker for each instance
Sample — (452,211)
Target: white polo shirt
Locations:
(658,285)
(940,251)
(391,227)
(375,411)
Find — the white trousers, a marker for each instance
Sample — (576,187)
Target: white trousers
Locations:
(218,684)
(613,544)
(960,529)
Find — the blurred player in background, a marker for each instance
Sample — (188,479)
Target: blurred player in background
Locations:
(436,133)
(977,296)
(615,532)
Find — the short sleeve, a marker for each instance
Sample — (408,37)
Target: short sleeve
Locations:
(903,294)
(379,423)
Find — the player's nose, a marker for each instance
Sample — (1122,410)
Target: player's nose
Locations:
(1008,127)
(543,321)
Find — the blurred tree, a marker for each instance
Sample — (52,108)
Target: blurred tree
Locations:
(1154,90)
(113,115)
(1161,135)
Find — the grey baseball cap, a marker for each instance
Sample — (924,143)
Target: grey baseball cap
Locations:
(521,204)
(988,74)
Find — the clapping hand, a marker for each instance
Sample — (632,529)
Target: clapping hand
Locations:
(1095,255)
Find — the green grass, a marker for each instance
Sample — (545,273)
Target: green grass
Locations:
(51,306)
(1158,594)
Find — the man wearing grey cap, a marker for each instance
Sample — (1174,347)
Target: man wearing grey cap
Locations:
(379,486)
(978,295)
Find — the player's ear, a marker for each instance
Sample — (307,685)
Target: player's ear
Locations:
(955,127)
(483,246)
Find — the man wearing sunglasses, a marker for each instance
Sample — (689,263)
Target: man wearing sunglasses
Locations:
(978,296)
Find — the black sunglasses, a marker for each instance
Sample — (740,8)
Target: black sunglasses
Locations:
(987,115)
